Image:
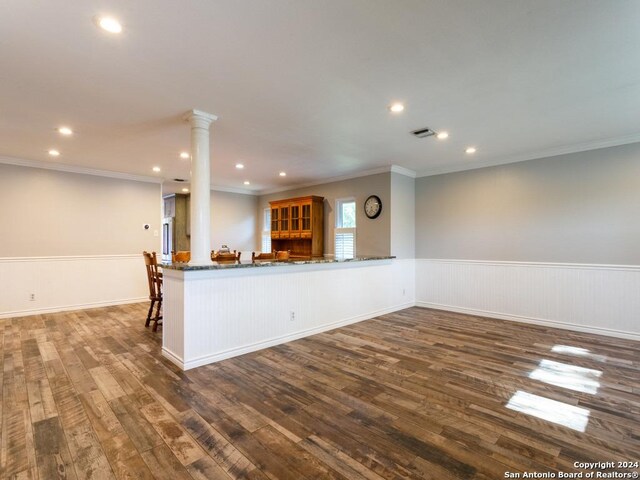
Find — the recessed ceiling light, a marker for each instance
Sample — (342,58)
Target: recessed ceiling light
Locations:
(470,150)
(247,182)
(185,190)
(283,174)
(156,169)
(65,131)
(442,135)
(109,24)
(184,155)
(239,166)
(396,107)
(54,153)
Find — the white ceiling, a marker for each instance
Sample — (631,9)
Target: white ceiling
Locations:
(304,85)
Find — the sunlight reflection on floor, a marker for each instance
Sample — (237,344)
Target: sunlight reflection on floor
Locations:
(578,352)
(560,413)
(567,376)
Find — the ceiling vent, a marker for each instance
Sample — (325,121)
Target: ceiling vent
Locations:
(423,133)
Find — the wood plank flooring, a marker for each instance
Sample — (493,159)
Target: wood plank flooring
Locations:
(418,394)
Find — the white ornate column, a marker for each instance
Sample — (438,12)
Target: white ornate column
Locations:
(200,187)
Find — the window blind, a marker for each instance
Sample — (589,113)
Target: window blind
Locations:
(265,245)
(345,243)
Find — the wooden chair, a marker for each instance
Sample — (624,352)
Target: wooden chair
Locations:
(155,288)
(262,256)
(225,257)
(182,256)
(283,255)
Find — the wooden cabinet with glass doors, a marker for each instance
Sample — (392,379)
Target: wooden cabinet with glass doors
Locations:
(297,225)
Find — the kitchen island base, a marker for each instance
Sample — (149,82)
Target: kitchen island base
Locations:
(211,314)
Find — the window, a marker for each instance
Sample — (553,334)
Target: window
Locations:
(345,232)
(266,231)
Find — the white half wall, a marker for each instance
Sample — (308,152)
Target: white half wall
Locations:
(601,299)
(210,315)
(70,283)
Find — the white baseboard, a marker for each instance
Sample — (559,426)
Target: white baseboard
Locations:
(173,358)
(535,321)
(599,299)
(68,308)
(65,283)
(234,352)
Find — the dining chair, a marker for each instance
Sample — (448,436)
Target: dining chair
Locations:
(262,256)
(154,278)
(181,256)
(283,255)
(225,257)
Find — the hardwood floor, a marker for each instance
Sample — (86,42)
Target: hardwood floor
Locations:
(415,394)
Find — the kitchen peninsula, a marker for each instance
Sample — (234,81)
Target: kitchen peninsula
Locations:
(217,311)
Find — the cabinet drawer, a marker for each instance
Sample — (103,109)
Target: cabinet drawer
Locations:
(305,235)
(294,235)
(275,234)
(284,234)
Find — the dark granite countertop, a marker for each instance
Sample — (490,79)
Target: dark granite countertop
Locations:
(267,263)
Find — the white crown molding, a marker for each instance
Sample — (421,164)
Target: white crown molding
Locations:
(403,171)
(363,173)
(241,191)
(61,167)
(340,178)
(549,152)
(218,188)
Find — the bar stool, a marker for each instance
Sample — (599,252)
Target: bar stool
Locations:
(154,277)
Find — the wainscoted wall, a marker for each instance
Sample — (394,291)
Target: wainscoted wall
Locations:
(70,283)
(602,299)
(212,315)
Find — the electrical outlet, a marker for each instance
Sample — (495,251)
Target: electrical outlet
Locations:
(32,297)
(292,316)
(404,292)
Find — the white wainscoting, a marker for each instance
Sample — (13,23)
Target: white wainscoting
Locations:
(211,315)
(602,299)
(69,283)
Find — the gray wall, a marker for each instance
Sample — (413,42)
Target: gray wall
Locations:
(233,221)
(372,236)
(577,208)
(50,213)
(403,202)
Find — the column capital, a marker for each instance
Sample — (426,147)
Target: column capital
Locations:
(199,119)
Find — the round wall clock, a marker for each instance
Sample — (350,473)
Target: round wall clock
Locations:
(373,206)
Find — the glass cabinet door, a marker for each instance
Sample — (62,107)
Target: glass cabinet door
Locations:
(295,218)
(274,220)
(306,217)
(284,219)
